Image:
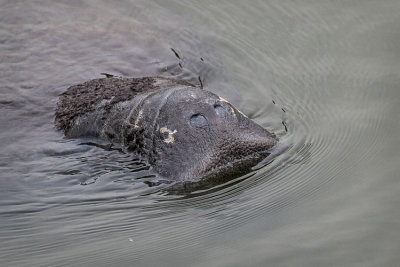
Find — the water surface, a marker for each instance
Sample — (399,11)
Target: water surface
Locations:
(322,75)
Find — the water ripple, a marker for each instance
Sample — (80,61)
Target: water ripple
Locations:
(312,73)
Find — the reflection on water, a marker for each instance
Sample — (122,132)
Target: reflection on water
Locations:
(322,75)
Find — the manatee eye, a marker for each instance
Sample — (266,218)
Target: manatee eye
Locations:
(198,120)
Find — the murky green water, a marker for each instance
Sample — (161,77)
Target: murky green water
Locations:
(323,75)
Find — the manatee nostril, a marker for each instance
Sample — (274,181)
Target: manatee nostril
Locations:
(198,120)
(220,111)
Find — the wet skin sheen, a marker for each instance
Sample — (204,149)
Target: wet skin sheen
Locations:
(187,134)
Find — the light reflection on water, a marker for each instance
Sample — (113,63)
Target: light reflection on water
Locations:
(322,75)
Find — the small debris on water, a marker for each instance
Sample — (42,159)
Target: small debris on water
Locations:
(201,83)
(176,53)
(107,75)
(130,239)
(284,124)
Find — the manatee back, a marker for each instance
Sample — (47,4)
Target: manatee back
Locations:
(82,100)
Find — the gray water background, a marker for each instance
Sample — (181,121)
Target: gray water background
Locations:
(331,199)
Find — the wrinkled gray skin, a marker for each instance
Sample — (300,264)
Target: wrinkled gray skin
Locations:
(187,134)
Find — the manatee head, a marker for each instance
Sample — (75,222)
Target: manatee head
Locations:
(200,136)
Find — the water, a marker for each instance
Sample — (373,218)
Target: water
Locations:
(323,75)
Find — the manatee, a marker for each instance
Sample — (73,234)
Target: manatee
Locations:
(187,134)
